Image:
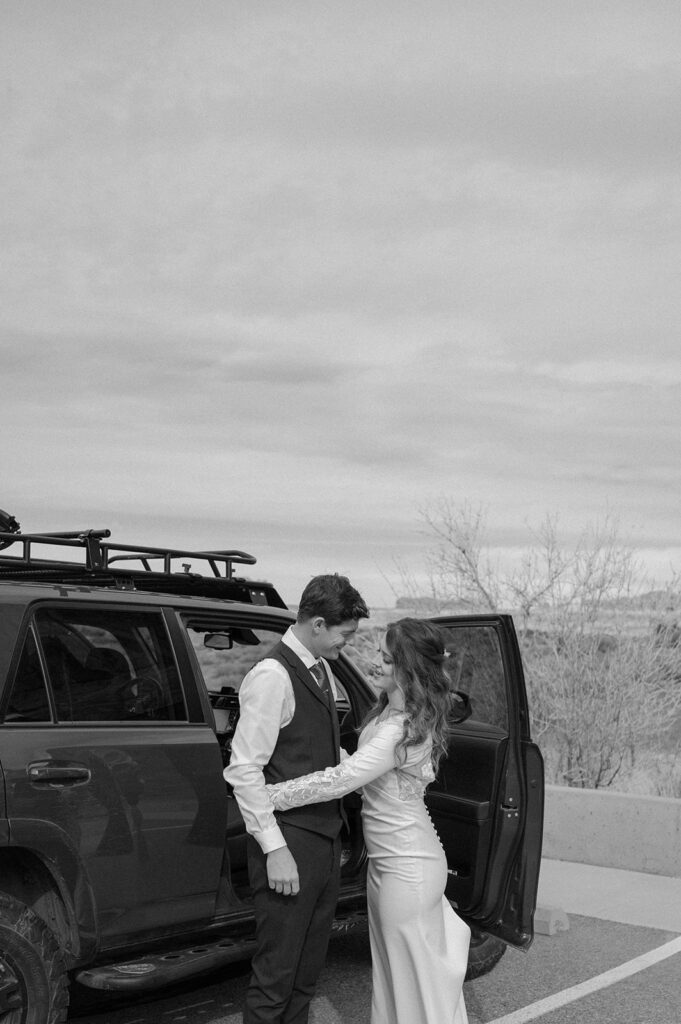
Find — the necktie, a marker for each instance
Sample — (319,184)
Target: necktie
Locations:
(319,672)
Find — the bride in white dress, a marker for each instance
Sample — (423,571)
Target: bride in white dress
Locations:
(419,946)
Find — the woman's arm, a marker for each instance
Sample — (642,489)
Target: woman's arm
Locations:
(374,758)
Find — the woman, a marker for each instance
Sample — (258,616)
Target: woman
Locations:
(419,946)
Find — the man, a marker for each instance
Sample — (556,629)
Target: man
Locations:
(288,727)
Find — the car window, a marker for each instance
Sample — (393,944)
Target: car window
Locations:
(476,667)
(107,665)
(28,700)
(223,668)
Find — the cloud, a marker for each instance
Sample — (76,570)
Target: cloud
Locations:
(599,372)
(260,86)
(384,252)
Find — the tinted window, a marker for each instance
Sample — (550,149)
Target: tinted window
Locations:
(28,701)
(225,653)
(109,665)
(476,667)
(223,669)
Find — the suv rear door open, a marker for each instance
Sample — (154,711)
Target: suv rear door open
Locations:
(487,802)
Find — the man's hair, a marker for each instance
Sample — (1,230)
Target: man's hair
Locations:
(334,598)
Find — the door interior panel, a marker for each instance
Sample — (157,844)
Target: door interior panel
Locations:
(462,804)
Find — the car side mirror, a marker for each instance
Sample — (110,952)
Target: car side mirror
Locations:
(218,641)
(460,706)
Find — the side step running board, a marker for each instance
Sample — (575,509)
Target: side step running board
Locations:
(161,969)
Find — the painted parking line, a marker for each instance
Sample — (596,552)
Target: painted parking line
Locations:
(585,988)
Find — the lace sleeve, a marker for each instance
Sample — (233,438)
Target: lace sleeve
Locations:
(314,788)
(373,758)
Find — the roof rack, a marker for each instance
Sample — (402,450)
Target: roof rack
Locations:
(99,570)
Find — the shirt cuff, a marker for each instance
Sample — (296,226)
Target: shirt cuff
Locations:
(270,840)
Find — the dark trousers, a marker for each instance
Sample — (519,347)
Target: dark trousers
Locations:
(292,931)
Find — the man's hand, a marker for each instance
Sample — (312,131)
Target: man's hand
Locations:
(282,872)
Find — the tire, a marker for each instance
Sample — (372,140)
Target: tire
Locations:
(33,982)
(484,953)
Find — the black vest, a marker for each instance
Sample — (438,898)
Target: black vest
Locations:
(309,743)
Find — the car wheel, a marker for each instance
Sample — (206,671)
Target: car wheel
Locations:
(33,983)
(484,953)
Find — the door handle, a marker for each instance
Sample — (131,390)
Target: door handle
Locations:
(61,774)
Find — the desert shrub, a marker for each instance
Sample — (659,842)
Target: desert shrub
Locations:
(602,662)
(598,700)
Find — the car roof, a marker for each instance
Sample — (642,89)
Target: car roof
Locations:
(29,592)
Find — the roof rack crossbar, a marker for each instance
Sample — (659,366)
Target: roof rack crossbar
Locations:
(90,539)
(64,534)
(99,553)
(144,554)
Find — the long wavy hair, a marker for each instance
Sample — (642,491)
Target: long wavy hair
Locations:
(417,650)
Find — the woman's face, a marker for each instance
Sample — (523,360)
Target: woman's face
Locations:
(384,679)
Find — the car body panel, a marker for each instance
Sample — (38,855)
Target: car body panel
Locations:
(146,824)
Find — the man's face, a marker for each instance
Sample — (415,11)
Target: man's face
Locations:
(330,640)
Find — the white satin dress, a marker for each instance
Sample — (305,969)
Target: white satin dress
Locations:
(419,946)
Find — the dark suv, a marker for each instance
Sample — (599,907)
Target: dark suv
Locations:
(122,850)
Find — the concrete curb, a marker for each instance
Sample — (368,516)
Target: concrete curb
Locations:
(614,830)
(594,830)
(610,894)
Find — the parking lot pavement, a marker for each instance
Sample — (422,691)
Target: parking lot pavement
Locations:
(619,961)
(556,966)
(615,918)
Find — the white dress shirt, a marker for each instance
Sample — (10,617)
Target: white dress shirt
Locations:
(267,704)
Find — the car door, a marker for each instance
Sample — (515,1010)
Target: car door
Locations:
(487,801)
(107,772)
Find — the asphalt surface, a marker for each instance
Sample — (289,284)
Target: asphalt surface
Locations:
(628,917)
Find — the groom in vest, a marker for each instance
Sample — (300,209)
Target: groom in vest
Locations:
(287,727)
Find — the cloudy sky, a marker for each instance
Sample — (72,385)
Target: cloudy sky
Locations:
(275,275)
